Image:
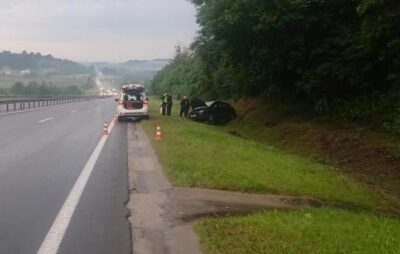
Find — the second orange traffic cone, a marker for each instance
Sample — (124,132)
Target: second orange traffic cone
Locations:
(158,133)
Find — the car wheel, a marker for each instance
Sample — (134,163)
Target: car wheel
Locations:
(210,119)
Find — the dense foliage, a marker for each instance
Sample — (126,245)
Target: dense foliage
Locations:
(181,75)
(317,52)
(43,89)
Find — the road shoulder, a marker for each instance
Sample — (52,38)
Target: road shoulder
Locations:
(162,215)
(152,231)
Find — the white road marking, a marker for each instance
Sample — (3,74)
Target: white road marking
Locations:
(56,233)
(74,111)
(46,120)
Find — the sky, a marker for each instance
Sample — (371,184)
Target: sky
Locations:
(97,30)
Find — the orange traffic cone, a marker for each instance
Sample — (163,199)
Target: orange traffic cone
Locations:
(158,133)
(105,129)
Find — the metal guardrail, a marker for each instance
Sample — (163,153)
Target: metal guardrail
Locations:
(8,104)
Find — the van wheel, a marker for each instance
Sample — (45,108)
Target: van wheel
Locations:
(147,117)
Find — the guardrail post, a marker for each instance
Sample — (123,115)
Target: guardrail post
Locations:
(22,103)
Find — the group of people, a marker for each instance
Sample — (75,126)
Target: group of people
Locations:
(166,105)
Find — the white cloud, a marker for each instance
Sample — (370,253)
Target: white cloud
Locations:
(97,29)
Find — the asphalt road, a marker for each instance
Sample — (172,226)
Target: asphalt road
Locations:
(42,154)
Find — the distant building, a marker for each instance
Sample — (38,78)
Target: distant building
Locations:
(5,71)
(25,72)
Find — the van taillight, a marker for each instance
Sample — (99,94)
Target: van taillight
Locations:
(146,102)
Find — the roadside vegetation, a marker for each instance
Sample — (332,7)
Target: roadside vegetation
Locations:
(196,155)
(63,86)
(316,231)
(329,58)
(370,156)
(316,86)
(199,155)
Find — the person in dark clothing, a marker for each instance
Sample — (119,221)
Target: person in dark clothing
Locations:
(185,106)
(169,104)
(164,104)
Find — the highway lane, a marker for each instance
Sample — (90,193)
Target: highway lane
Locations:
(102,213)
(42,153)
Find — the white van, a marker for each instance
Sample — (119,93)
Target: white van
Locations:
(133,102)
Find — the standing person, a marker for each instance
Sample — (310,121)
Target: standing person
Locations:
(164,101)
(169,104)
(185,106)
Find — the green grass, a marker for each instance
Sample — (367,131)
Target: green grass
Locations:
(316,231)
(198,155)
(368,155)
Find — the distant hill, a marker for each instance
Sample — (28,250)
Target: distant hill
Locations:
(156,64)
(37,63)
(133,70)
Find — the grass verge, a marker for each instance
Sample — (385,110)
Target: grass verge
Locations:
(364,153)
(316,231)
(198,155)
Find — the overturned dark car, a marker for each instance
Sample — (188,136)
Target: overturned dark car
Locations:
(212,112)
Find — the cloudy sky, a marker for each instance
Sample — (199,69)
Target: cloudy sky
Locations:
(97,30)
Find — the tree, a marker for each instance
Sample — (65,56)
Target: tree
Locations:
(313,52)
(32,88)
(72,90)
(3,91)
(18,88)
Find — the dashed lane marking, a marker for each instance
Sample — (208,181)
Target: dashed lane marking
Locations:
(46,120)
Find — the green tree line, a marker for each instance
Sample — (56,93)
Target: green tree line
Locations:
(320,53)
(43,89)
